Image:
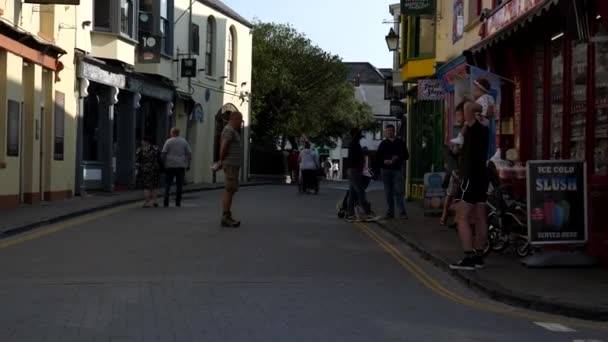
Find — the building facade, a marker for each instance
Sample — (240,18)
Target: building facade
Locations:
(128,69)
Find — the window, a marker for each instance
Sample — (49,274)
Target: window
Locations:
(59,125)
(600,153)
(475,7)
(101,19)
(578,106)
(557,97)
(195,39)
(126,17)
(166,26)
(209,46)
(231,55)
(422,37)
(13,128)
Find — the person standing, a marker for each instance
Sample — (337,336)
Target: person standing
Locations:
(327,165)
(231,155)
(472,195)
(309,164)
(176,156)
(147,163)
(356,160)
(293,166)
(391,156)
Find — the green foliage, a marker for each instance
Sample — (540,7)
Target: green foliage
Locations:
(299,89)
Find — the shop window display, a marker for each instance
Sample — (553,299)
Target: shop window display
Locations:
(578,105)
(600,154)
(557,97)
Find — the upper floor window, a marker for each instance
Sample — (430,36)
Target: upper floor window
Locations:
(115,16)
(166,27)
(232,55)
(195,44)
(210,46)
(475,8)
(156,17)
(422,33)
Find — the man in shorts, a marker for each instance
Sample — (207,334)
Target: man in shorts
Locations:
(231,156)
(472,195)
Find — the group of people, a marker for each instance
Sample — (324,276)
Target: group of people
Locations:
(388,165)
(331,170)
(175,158)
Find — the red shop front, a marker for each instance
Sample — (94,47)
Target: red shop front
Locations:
(557,103)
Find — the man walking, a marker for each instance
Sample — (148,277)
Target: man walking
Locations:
(176,156)
(231,155)
(472,195)
(391,156)
(356,191)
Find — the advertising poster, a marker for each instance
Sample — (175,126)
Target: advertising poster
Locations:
(434,193)
(458,21)
(557,201)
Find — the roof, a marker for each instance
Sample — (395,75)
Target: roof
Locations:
(219,6)
(387,72)
(367,73)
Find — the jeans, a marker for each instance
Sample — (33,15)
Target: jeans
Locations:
(356,192)
(394,187)
(170,174)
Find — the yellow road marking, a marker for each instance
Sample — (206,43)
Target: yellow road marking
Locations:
(54,228)
(432,284)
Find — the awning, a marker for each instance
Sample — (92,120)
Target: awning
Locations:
(30,40)
(509,18)
(455,68)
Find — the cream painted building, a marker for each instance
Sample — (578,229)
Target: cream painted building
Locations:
(121,78)
(37,102)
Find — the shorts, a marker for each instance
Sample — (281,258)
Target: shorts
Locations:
(454,185)
(473,190)
(231,178)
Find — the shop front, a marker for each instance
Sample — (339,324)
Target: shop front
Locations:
(557,102)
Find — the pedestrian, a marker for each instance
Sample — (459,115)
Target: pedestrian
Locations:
(231,155)
(327,165)
(452,181)
(293,166)
(176,156)
(486,114)
(356,161)
(391,156)
(148,165)
(309,164)
(335,169)
(472,195)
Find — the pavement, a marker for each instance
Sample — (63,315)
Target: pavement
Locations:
(291,272)
(576,292)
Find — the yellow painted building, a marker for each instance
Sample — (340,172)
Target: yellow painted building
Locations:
(37,102)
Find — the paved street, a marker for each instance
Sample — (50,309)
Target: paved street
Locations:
(292,272)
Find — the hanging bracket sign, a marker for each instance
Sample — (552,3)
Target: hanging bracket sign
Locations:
(417,7)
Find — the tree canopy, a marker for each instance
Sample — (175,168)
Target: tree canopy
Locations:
(299,89)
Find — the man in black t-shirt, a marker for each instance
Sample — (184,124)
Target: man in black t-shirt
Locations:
(473,190)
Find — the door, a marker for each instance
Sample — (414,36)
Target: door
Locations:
(40,137)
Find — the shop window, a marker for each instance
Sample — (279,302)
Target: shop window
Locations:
(195,39)
(210,46)
(422,38)
(578,105)
(600,153)
(539,102)
(557,97)
(59,124)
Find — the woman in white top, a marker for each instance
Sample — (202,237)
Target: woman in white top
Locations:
(309,165)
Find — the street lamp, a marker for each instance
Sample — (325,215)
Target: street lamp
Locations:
(392,40)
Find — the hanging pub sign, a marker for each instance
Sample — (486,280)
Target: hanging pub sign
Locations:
(417,7)
(557,201)
(188,67)
(53,2)
(148,49)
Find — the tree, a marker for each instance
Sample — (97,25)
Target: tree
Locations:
(299,89)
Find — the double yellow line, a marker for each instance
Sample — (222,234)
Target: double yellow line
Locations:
(432,284)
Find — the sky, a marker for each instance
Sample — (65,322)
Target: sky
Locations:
(352,29)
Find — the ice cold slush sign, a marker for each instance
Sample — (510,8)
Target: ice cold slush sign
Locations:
(557,201)
(417,7)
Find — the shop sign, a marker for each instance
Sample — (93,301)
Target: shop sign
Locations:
(508,14)
(188,67)
(430,90)
(557,201)
(417,7)
(434,193)
(97,74)
(53,2)
(148,49)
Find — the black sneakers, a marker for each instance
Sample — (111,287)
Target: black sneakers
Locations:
(469,263)
(229,222)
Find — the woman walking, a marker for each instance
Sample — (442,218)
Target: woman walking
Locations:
(147,159)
